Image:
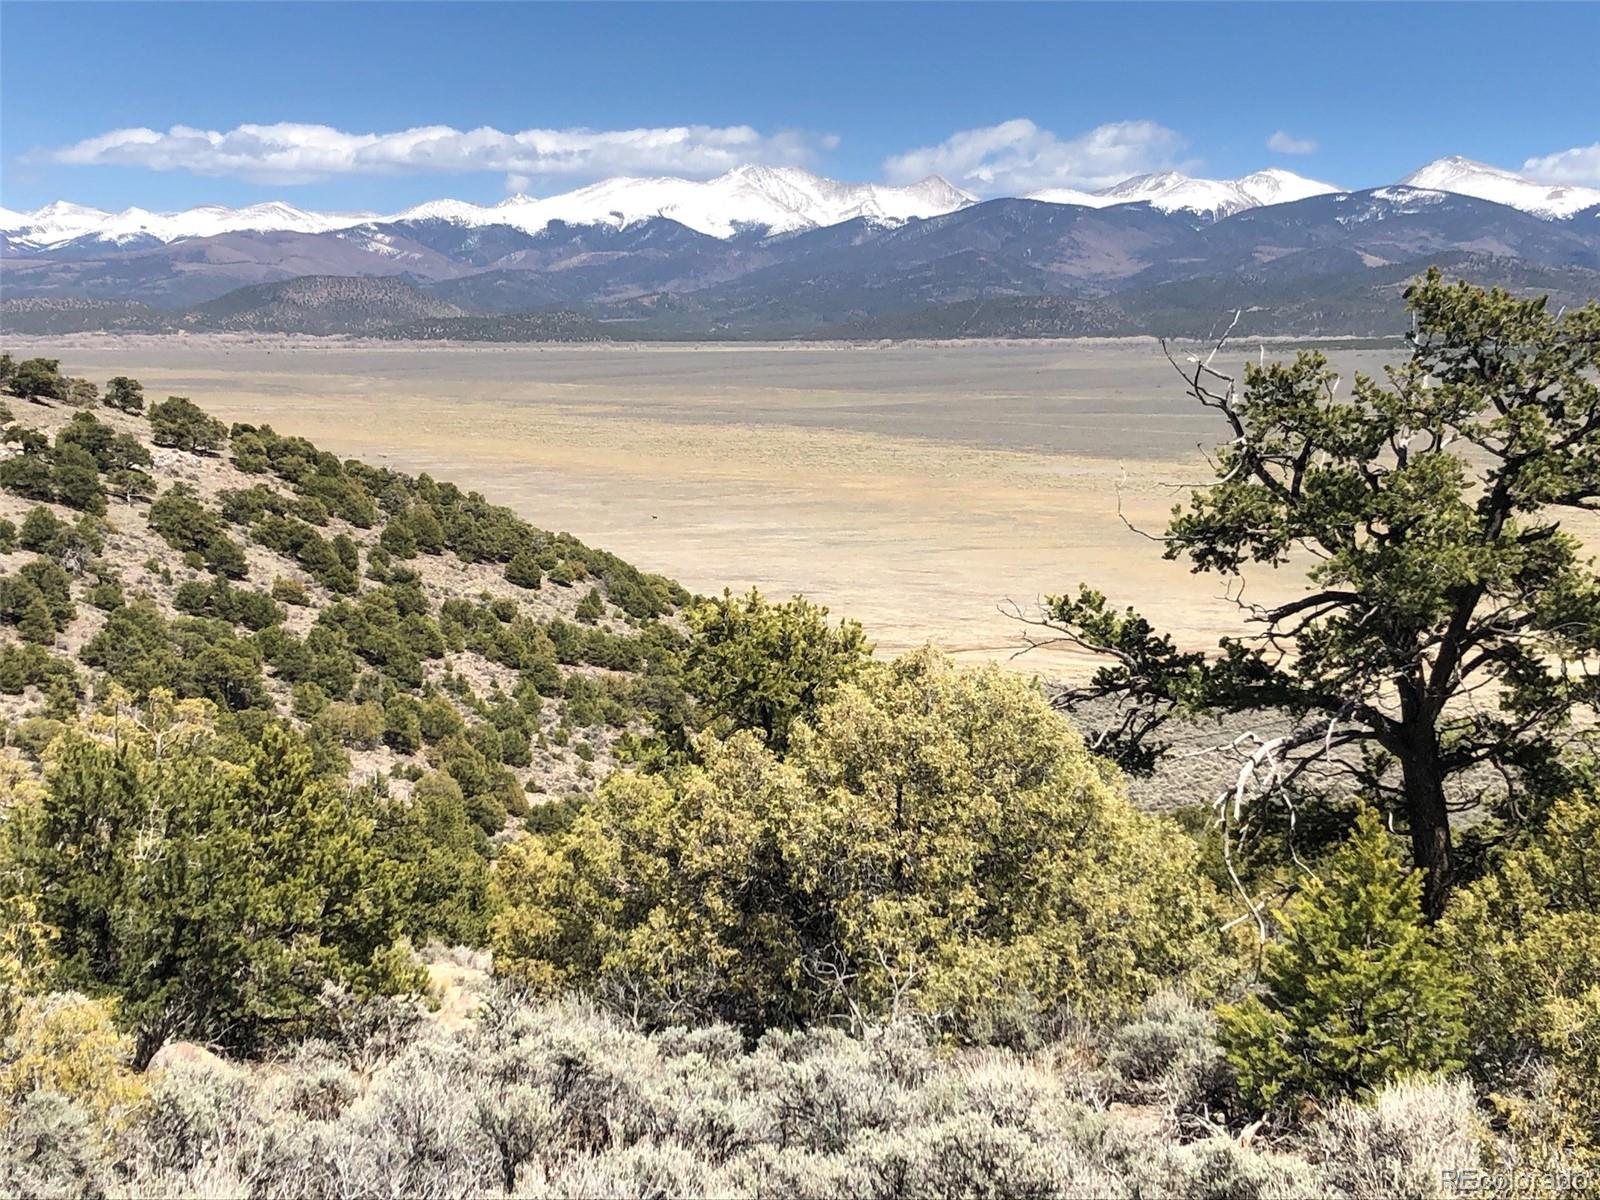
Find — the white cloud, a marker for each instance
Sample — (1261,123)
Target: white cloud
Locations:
(1016,157)
(1579,165)
(291,153)
(1283,142)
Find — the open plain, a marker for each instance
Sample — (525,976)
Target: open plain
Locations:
(915,487)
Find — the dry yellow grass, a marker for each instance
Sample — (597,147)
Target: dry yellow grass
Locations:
(913,487)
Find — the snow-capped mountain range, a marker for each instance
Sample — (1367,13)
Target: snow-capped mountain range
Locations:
(778,199)
(1213,198)
(774,199)
(62,222)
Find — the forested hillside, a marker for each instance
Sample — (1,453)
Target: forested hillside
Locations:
(359,837)
(382,615)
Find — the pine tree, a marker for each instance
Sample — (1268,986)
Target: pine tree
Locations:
(1357,993)
(37,625)
(1427,512)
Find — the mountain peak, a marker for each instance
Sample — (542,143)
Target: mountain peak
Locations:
(1455,166)
(939,190)
(65,208)
(1153,179)
(1148,187)
(764,173)
(1278,186)
(1466,177)
(1281,176)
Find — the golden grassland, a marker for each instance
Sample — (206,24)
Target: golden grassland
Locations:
(915,487)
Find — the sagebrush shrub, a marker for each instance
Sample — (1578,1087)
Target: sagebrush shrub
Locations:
(566,1099)
(195,1113)
(1220,1168)
(960,1156)
(1170,1053)
(50,1149)
(1400,1146)
(642,1171)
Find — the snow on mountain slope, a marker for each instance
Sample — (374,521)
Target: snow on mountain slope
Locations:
(274,217)
(1277,186)
(60,223)
(1467,178)
(1170,191)
(779,199)
(459,212)
(1071,196)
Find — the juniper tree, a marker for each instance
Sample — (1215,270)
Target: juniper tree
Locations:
(932,841)
(125,394)
(758,665)
(523,569)
(1528,936)
(181,423)
(37,625)
(38,379)
(1451,623)
(212,899)
(591,608)
(1356,992)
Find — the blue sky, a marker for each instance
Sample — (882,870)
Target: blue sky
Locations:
(998,97)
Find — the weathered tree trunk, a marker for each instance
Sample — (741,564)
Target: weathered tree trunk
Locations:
(147,1044)
(1429,820)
